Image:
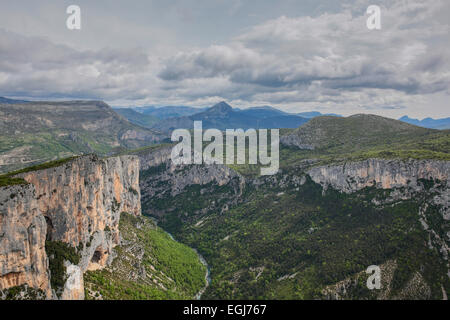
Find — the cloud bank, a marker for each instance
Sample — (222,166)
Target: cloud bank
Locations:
(329,60)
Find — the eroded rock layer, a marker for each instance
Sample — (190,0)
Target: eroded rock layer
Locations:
(78,203)
(22,240)
(386,174)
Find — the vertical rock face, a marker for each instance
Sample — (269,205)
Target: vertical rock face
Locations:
(166,175)
(155,157)
(22,240)
(86,195)
(78,203)
(386,174)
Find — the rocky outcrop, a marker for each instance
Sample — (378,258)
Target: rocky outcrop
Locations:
(154,157)
(22,240)
(86,195)
(406,179)
(293,140)
(385,174)
(161,174)
(162,181)
(177,178)
(350,288)
(78,203)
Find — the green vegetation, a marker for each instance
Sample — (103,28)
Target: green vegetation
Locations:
(42,131)
(356,131)
(359,138)
(189,204)
(293,244)
(22,292)
(150,265)
(58,252)
(6,180)
(45,165)
(145,150)
(365,136)
(354,138)
(41,147)
(434,146)
(9,179)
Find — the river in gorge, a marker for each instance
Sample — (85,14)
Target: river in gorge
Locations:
(199,294)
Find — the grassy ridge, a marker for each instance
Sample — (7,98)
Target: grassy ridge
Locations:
(359,138)
(9,179)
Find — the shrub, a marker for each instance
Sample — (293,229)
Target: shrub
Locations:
(58,252)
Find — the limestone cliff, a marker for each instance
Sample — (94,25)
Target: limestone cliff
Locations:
(22,240)
(178,177)
(154,157)
(78,203)
(161,181)
(386,174)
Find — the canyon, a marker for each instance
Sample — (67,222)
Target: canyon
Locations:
(336,206)
(335,218)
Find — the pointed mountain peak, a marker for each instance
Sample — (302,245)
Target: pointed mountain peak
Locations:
(222,107)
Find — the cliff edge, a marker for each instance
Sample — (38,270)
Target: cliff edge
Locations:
(72,210)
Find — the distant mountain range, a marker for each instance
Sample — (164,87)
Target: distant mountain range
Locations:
(11,101)
(140,119)
(428,122)
(313,114)
(228,117)
(35,132)
(167,112)
(222,116)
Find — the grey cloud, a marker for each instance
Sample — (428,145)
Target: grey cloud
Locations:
(327,58)
(36,67)
(210,62)
(335,50)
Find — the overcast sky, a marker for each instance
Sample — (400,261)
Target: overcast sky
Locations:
(291,54)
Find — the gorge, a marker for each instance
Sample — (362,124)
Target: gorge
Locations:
(79,228)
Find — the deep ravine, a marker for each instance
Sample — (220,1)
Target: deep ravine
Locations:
(199,294)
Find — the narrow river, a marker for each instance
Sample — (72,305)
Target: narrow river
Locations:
(198,296)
